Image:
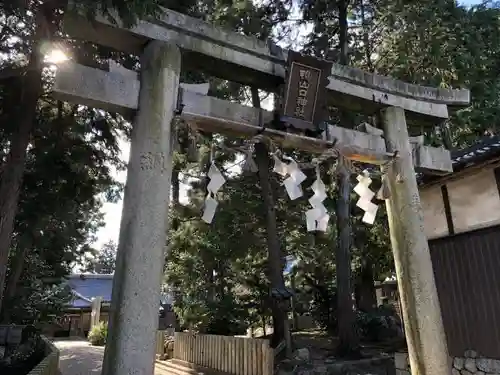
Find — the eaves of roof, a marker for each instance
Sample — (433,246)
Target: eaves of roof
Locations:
(486,149)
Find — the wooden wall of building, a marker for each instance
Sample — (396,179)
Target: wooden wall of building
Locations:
(461,205)
(462,222)
(467,273)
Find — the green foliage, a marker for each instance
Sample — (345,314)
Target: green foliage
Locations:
(457,48)
(67,172)
(20,360)
(102,261)
(323,307)
(35,301)
(98,334)
(66,180)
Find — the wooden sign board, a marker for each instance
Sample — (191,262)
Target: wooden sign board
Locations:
(305,92)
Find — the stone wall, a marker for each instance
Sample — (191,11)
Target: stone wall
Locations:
(402,363)
(50,364)
(470,364)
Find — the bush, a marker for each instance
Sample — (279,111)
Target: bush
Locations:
(379,324)
(323,308)
(98,334)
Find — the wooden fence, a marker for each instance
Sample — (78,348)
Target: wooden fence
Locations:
(232,355)
(160,341)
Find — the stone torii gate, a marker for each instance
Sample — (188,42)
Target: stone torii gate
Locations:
(163,43)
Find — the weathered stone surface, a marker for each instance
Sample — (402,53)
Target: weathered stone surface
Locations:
(420,303)
(402,372)
(479,373)
(352,142)
(465,372)
(302,354)
(470,354)
(458,363)
(133,320)
(470,365)
(454,371)
(118,92)
(445,96)
(433,158)
(488,365)
(111,91)
(254,56)
(371,96)
(401,361)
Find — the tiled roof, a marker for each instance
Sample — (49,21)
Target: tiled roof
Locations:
(88,286)
(85,287)
(80,303)
(485,149)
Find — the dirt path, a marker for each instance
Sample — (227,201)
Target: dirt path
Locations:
(79,358)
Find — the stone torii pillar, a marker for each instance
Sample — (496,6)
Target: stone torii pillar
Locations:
(135,302)
(423,323)
(95,315)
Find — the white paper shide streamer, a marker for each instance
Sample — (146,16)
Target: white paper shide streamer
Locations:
(365,198)
(317,217)
(249,164)
(279,166)
(216,182)
(294,179)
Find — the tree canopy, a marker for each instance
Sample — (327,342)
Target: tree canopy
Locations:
(56,159)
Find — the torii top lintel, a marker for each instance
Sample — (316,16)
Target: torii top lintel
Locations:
(244,59)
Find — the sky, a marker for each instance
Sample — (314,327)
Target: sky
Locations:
(113,211)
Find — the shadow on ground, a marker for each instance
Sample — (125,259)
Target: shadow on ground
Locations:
(79,358)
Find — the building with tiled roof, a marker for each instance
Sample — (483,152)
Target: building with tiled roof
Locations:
(85,288)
